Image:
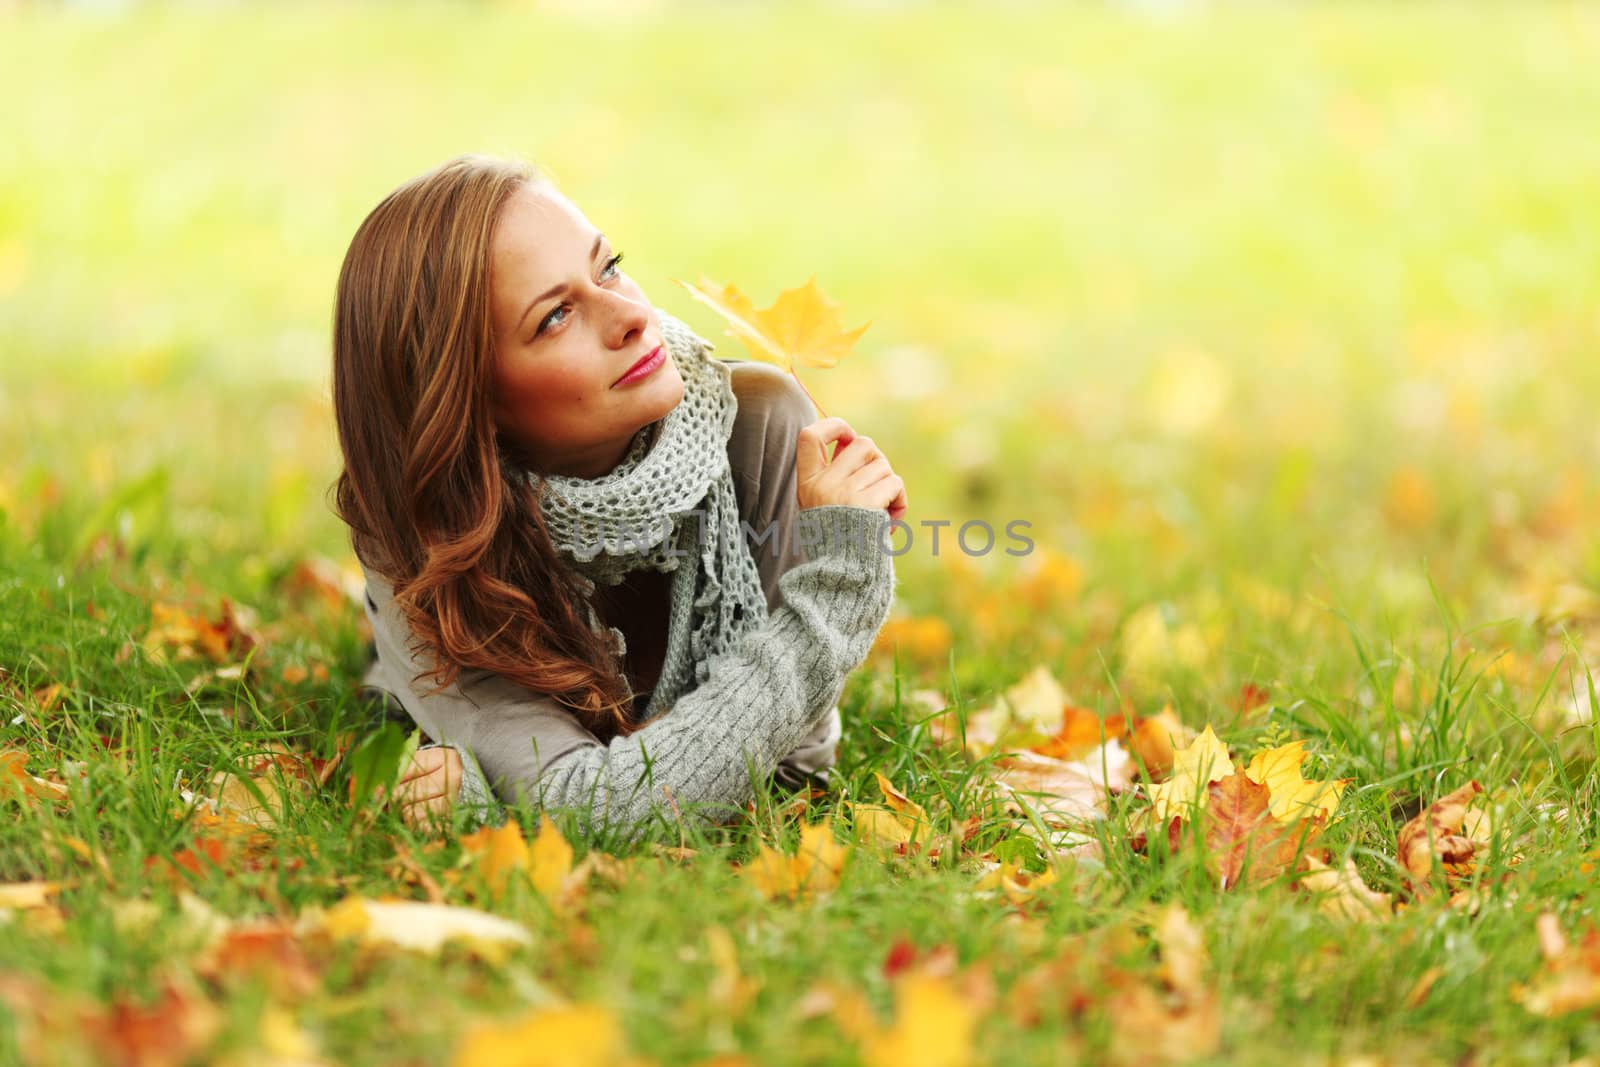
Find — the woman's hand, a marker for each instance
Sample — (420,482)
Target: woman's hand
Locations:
(859,473)
(428,787)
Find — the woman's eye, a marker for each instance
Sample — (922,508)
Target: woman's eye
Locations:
(550,319)
(611,265)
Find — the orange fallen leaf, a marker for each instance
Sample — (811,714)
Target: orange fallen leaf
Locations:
(270,951)
(229,637)
(924,639)
(900,803)
(1155,740)
(170,1030)
(1082,731)
(15,779)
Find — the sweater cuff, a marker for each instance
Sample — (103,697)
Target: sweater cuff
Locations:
(845,531)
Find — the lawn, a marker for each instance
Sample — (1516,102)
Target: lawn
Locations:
(1277,324)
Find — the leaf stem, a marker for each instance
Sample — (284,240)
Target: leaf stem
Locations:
(796,376)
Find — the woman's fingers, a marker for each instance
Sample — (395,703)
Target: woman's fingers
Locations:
(427,791)
(859,453)
(812,454)
(425,814)
(426,762)
(859,473)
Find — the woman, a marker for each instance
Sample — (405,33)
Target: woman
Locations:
(618,574)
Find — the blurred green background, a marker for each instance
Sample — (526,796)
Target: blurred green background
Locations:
(1231,302)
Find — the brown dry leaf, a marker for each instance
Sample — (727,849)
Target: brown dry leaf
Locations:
(1434,836)
(802,326)
(1149,1028)
(1570,979)
(1037,703)
(814,869)
(897,824)
(576,1035)
(47,698)
(1342,893)
(238,797)
(1422,987)
(1246,845)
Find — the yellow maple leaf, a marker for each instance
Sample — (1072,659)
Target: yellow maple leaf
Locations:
(1193,768)
(900,802)
(499,850)
(814,868)
(802,326)
(549,861)
(933,1026)
(880,825)
(1290,795)
(578,1035)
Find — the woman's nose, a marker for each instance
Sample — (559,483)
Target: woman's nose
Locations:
(629,317)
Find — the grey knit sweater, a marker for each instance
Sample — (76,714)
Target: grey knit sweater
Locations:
(767,703)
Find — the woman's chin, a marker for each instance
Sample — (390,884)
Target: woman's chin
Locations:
(665,392)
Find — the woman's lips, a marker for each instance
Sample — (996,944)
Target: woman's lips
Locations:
(645,367)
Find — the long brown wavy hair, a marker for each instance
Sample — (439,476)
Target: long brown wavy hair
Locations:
(433,496)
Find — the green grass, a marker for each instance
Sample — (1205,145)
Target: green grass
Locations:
(1281,320)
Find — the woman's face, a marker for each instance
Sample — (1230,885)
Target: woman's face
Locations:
(568,324)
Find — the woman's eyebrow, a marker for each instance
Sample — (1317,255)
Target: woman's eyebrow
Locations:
(558,289)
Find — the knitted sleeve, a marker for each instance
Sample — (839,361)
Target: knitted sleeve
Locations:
(761,699)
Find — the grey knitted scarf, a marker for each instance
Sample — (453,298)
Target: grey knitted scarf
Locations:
(670,501)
